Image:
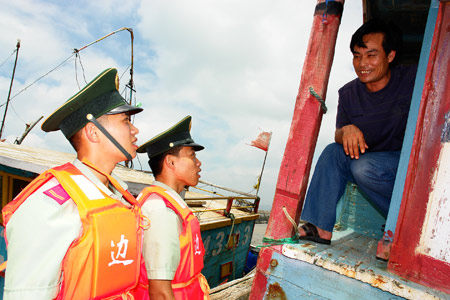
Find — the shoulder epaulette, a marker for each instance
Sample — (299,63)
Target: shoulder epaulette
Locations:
(58,194)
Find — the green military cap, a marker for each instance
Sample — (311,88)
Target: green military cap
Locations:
(177,135)
(98,97)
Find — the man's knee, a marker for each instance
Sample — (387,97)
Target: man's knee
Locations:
(368,168)
(361,168)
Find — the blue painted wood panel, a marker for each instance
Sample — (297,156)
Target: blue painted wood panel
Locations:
(294,279)
(356,212)
(216,252)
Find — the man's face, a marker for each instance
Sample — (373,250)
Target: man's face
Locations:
(187,166)
(121,128)
(371,63)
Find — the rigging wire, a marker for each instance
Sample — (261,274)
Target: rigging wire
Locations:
(39,78)
(77,55)
(75,52)
(18,116)
(14,52)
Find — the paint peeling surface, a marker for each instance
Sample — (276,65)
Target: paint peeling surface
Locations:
(353,256)
(434,240)
(445,136)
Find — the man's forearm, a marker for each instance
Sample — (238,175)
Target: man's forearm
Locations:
(160,290)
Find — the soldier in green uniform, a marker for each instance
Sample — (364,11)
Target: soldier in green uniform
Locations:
(75,230)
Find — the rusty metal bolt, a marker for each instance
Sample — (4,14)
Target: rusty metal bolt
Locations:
(273,263)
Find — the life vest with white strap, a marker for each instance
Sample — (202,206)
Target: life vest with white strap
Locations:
(105,262)
(189,282)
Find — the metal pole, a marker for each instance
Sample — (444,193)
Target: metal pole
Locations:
(262,170)
(10,88)
(18,141)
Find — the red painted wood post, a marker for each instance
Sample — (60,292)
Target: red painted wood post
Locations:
(296,163)
(229,204)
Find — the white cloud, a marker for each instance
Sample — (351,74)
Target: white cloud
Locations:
(235,66)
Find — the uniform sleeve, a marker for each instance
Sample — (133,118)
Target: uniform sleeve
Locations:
(39,234)
(161,248)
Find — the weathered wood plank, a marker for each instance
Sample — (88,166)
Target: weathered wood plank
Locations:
(353,255)
(296,279)
(238,289)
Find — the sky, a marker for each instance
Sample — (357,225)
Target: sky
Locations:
(234,66)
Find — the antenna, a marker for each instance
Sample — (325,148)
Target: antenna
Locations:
(10,87)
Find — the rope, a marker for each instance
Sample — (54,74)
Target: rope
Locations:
(231,216)
(322,102)
(292,240)
(291,220)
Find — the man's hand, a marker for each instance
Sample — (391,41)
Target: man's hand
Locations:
(352,139)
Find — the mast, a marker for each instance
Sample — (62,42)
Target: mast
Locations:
(10,88)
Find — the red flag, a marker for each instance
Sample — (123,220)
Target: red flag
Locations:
(262,141)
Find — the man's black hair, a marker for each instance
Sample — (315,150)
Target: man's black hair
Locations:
(156,163)
(75,139)
(392,40)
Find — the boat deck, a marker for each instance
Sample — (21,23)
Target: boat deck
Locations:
(353,254)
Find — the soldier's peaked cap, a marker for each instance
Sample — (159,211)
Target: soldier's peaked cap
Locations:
(177,135)
(98,97)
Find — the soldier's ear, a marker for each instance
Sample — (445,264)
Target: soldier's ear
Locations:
(169,161)
(92,132)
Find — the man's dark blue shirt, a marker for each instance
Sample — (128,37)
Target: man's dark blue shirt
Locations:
(380,115)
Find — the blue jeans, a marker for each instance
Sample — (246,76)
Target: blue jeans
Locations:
(373,172)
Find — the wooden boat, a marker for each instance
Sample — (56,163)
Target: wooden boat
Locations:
(232,215)
(413,250)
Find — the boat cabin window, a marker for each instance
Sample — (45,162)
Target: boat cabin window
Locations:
(11,186)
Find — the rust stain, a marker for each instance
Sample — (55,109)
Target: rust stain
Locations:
(346,271)
(275,291)
(378,281)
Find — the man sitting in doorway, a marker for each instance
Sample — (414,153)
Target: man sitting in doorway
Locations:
(370,125)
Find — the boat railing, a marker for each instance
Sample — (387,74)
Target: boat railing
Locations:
(240,200)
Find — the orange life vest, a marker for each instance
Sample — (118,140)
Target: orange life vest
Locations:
(105,262)
(189,282)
